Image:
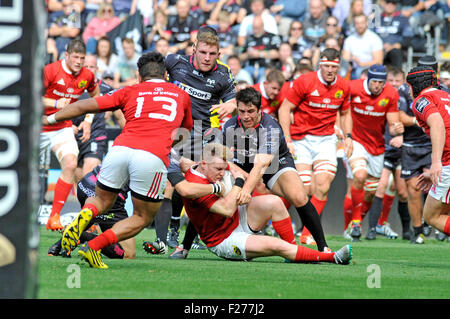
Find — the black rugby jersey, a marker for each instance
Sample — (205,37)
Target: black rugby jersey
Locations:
(87,186)
(205,88)
(265,138)
(413,135)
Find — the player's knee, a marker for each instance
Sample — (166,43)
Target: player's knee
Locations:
(300,199)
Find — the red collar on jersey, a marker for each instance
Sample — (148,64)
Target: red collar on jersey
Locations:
(191,59)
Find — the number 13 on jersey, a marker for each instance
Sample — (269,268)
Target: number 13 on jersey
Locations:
(168,104)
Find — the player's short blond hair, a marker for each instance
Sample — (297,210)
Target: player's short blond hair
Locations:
(216,150)
(209,36)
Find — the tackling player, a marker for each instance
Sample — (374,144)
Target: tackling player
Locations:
(431,109)
(154,110)
(315,100)
(230,230)
(64,82)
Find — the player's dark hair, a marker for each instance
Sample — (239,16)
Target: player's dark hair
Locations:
(151,65)
(330,54)
(421,78)
(76,46)
(249,95)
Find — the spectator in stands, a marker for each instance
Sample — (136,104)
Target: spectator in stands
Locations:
(315,23)
(182,27)
(147,9)
(56,8)
(158,30)
(240,75)
(197,13)
(64,27)
(126,67)
(356,8)
(300,46)
(257,8)
(444,76)
(162,46)
(106,58)
(227,36)
(230,6)
(331,31)
(395,31)
(286,11)
(344,9)
(362,48)
(286,62)
(99,26)
(260,50)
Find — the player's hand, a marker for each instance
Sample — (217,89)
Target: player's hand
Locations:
(75,129)
(86,128)
(398,128)
(62,103)
(223,109)
(348,147)
(291,147)
(435,172)
(424,182)
(44,120)
(243,197)
(397,141)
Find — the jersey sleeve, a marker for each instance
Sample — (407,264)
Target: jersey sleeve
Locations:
(295,95)
(393,102)
(346,102)
(112,100)
(229,91)
(187,119)
(207,201)
(48,75)
(93,83)
(423,107)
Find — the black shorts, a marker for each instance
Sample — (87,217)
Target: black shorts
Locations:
(414,160)
(92,148)
(273,171)
(392,158)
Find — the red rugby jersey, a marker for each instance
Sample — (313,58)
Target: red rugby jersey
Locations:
(153,110)
(268,106)
(60,82)
(317,104)
(369,114)
(211,227)
(432,101)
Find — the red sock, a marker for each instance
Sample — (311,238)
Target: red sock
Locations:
(388,200)
(103,240)
(284,229)
(447,227)
(365,208)
(308,254)
(319,205)
(357,201)
(62,191)
(286,203)
(93,208)
(347,210)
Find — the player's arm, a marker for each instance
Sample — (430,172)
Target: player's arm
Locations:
(227,205)
(55,103)
(346,125)
(407,120)
(85,125)
(72,110)
(193,190)
(284,118)
(262,162)
(437,136)
(395,125)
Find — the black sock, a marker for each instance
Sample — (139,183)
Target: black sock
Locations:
(162,220)
(403,211)
(189,236)
(418,230)
(375,211)
(177,207)
(310,219)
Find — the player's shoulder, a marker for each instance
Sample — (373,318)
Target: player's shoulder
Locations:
(192,175)
(174,59)
(231,123)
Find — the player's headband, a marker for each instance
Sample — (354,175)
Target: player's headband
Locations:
(325,61)
(444,75)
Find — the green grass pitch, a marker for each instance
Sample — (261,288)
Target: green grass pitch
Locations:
(380,269)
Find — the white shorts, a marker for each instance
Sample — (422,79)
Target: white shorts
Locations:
(146,173)
(375,164)
(233,247)
(313,148)
(348,169)
(441,191)
(63,138)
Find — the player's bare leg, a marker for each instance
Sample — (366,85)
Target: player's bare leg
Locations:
(435,214)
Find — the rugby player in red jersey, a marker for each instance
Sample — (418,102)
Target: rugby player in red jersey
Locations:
(431,107)
(270,90)
(373,103)
(64,83)
(154,109)
(230,230)
(315,100)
